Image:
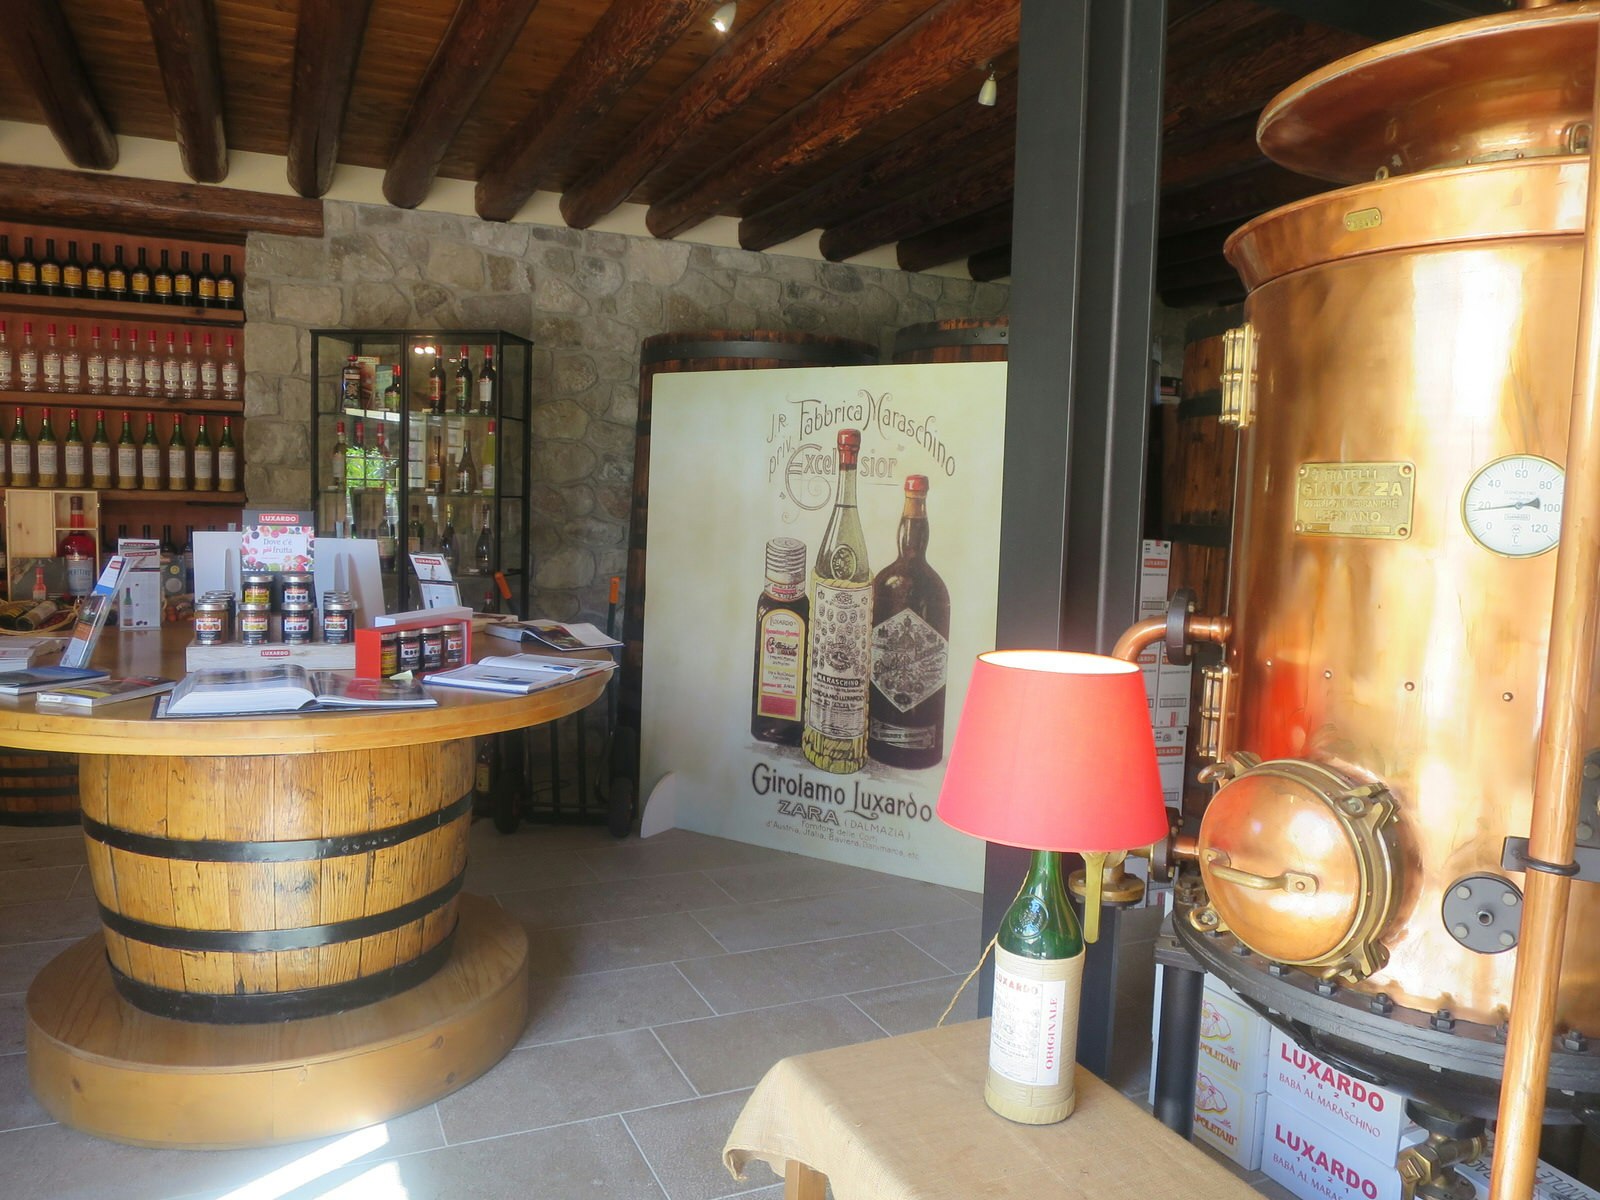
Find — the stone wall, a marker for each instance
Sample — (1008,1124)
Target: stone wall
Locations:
(586,300)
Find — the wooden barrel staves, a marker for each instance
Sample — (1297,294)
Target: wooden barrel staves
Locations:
(274,888)
(712,350)
(38,788)
(960,339)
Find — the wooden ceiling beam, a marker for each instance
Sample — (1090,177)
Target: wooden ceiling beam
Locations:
(1391,18)
(988,265)
(46,56)
(952,39)
(973,189)
(759,55)
(908,163)
(185,37)
(626,42)
(476,42)
(327,46)
(1208,154)
(1235,199)
(959,239)
(152,206)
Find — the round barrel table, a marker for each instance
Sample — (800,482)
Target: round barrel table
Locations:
(285,950)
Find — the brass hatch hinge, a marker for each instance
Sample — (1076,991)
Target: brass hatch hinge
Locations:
(1239,376)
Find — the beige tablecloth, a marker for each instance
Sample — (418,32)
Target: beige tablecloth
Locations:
(904,1119)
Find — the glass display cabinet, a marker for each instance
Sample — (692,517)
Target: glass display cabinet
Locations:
(420,441)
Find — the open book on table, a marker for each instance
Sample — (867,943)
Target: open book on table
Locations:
(286,687)
(518,674)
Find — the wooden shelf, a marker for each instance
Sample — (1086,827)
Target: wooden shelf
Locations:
(83,400)
(139,494)
(70,306)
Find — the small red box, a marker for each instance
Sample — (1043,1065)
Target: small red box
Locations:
(369,642)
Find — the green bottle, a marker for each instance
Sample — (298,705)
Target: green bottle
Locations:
(1033,1035)
(150,457)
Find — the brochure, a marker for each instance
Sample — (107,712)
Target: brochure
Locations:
(277,540)
(37,679)
(517,674)
(18,652)
(112,691)
(284,687)
(572,636)
(93,613)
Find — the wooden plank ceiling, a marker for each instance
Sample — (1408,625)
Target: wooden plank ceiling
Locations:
(856,117)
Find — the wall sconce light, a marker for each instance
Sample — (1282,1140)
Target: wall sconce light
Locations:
(722,19)
(990,91)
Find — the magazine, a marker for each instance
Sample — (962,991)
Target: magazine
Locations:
(518,674)
(576,635)
(37,679)
(285,687)
(111,691)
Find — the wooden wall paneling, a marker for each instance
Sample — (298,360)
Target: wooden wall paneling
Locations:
(478,39)
(185,36)
(46,57)
(327,46)
(954,38)
(760,52)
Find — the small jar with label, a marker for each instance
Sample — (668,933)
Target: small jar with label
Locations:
(338,618)
(455,646)
(213,620)
(389,654)
(410,650)
(296,588)
(297,624)
(256,589)
(433,647)
(255,624)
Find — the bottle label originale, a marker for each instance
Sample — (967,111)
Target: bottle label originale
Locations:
(783,643)
(100,460)
(841,632)
(74,460)
(909,658)
(127,463)
(49,460)
(1034,1030)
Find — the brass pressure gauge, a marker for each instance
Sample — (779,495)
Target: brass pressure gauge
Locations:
(1512,506)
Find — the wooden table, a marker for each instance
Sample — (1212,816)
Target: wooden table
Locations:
(903,1118)
(285,951)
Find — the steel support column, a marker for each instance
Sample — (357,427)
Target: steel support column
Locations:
(1079,390)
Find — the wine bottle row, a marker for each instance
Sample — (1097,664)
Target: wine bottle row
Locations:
(95,369)
(47,275)
(364,385)
(146,464)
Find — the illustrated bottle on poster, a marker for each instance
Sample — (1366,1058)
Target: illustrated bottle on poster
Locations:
(838,663)
(1038,968)
(777,688)
(910,646)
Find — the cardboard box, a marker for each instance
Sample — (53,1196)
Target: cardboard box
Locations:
(1233,1038)
(1368,1117)
(1169,764)
(1548,1182)
(1228,1118)
(139,596)
(1315,1163)
(1155,566)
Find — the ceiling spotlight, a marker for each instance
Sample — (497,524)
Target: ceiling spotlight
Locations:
(990,91)
(722,19)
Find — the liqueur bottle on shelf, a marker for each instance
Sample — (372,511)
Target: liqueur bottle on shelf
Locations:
(227,285)
(94,275)
(229,370)
(96,363)
(338,460)
(205,283)
(28,360)
(71,363)
(227,459)
(27,269)
(72,272)
(21,453)
(152,366)
(51,360)
(463,389)
(448,545)
(466,472)
(78,548)
(414,532)
(50,270)
(355,465)
(161,281)
(127,456)
(6,366)
(100,453)
(783,618)
(436,385)
(838,669)
(73,454)
(1037,975)
(910,651)
(47,454)
(171,369)
(177,458)
(205,469)
(117,277)
(209,376)
(133,365)
(350,384)
(435,469)
(150,456)
(486,470)
(116,368)
(377,464)
(486,381)
(8,265)
(183,281)
(483,552)
(391,394)
(139,279)
(189,368)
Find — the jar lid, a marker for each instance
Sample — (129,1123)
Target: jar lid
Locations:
(786,560)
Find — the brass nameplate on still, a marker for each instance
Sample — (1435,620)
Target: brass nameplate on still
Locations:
(1354,499)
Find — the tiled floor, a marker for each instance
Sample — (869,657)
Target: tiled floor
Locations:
(667,976)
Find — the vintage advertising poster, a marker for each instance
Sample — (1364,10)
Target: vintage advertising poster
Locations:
(821,569)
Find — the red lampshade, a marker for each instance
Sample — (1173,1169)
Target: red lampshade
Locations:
(1054,752)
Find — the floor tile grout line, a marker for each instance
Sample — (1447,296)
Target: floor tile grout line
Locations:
(439,1121)
(850,1000)
(720,943)
(675,1063)
(643,1157)
(712,1007)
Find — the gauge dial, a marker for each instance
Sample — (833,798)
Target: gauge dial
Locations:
(1513,505)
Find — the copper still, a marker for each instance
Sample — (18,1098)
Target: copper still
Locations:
(1402,389)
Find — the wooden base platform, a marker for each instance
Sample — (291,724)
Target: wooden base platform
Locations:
(103,1066)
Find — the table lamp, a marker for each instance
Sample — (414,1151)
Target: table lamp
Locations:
(1054,752)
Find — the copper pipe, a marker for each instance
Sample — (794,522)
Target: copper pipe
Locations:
(1536,3)
(1136,639)
(1185,845)
(1568,684)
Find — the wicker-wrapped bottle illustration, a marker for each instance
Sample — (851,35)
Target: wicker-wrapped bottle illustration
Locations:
(838,667)
(910,651)
(783,618)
